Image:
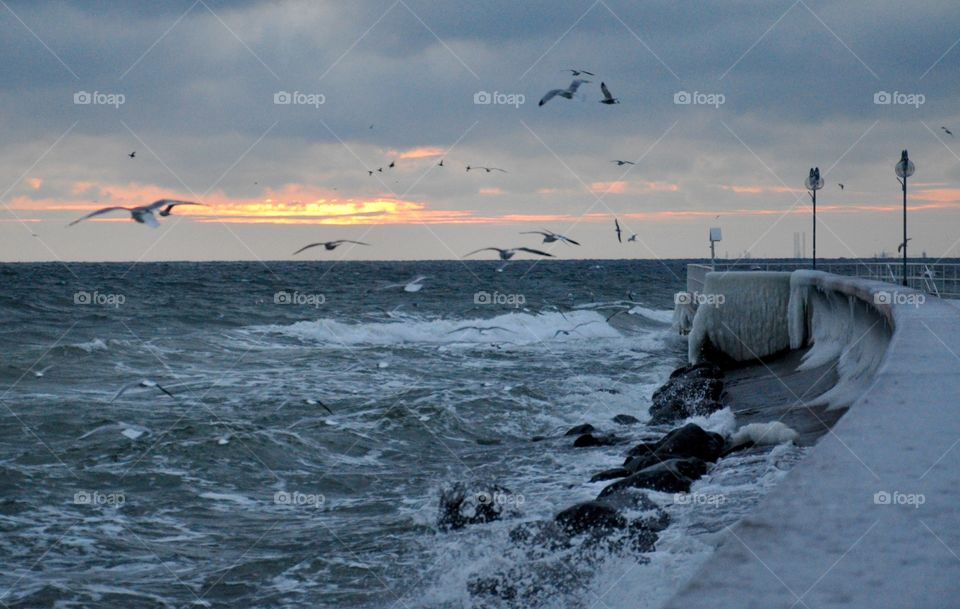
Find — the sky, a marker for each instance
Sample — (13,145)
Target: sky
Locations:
(272,113)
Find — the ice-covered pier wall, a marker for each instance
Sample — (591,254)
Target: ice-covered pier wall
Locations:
(870,517)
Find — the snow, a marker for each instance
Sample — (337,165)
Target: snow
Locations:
(847,526)
(761,434)
(743,314)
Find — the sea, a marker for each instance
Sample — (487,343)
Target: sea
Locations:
(279,434)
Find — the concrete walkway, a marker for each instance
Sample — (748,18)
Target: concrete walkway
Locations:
(871,519)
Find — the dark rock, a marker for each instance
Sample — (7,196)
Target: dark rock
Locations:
(703,370)
(610,474)
(691,440)
(625,419)
(683,397)
(590,516)
(580,429)
(588,439)
(460,507)
(673,476)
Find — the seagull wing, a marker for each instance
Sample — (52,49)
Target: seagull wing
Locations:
(605,91)
(587,73)
(157,385)
(616,223)
(171,203)
(306,247)
(533,251)
(535,232)
(568,240)
(550,95)
(99,212)
(350,241)
(483,249)
(124,390)
(575,85)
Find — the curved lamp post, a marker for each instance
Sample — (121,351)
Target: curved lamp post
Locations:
(904,169)
(814,183)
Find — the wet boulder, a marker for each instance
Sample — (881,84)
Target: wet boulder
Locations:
(625,419)
(579,430)
(590,516)
(691,440)
(684,397)
(589,439)
(461,506)
(672,476)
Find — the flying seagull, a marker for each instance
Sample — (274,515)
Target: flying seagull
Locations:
(40,373)
(607,98)
(487,169)
(616,224)
(329,245)
(414,285)
(579,72)
(573,329)
(840,185)
(133,154)
(633,237)
(144,383)
(507,254)
(900,247)
(440,164)
(947,131)
(317,403)
(622,163)
(143,214)
(568,93)
(550,236)
(480,329)
(391,165)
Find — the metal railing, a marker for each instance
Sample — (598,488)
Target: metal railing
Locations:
(938,278)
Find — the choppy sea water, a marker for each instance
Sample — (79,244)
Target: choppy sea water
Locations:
(243,491)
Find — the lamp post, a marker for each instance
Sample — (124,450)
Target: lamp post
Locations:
(904,169)
(814,183)
(715,235)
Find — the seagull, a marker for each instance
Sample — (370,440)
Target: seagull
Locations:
(133,154)
(143,383)
(329,245)
(567,332)
(579,72)
(622,163)
(507,254)
(947,131)
(40,373)
(440,164)
(391,165)
(370,172)
(317,403)
(487,169)
(900,247)
(480,329)
(616,224)
(633,237)
(607,98)
(143,214)
(550,236)
(414,285)
(840,185)
(568,93)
